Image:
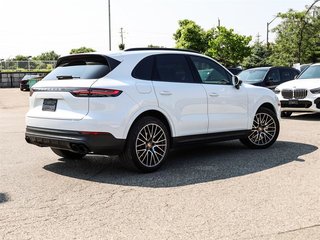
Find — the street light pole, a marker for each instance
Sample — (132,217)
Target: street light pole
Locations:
(303,24)
(109,13)
(268,23)
(29,62)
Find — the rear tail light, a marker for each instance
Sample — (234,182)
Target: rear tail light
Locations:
(95,92)
(80,92)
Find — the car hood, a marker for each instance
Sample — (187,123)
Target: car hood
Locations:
(301,83)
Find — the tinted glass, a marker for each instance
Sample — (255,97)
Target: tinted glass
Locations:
(286,74)
(143,70)
(274,75)
(253,75)
(172,68)
(211,72)
(311,72)
(82,67)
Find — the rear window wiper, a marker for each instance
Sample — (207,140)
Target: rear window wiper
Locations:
(62,77)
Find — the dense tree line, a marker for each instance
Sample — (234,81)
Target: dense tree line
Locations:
(297,41)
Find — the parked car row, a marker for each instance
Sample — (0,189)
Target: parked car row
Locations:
(141,102)
(269,77)
(297,92)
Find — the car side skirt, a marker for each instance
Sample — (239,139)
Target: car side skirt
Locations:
(212,137)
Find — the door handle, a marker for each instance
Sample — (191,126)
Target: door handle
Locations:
(166,93)
(213,94)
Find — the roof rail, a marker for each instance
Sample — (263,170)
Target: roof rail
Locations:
(164,49)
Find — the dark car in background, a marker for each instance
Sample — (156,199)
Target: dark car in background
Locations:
(24,83)
(269,77)
(235,71)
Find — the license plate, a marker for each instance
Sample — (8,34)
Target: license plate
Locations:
(49,105)
(293,102)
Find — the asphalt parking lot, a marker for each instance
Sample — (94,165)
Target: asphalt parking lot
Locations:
(215,191)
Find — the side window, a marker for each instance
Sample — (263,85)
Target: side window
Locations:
(172,68)
(211,72)
(286,74)
(274,76)
(143,70)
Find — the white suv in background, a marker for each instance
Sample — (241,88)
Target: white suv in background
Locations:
(302,94)
(141,102)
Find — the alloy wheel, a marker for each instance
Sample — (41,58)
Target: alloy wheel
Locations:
(264,129)
(151,145)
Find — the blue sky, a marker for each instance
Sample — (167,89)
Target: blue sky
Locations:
(35,26)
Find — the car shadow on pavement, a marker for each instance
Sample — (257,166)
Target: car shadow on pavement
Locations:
(186,166)
(3,197)
(305,117)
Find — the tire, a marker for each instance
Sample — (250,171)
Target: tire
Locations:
(147,145)
(265,130)
(67,154)
(286,114)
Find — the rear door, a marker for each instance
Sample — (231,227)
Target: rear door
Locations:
(183,99)
(62,93)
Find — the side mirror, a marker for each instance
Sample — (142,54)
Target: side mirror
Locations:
(237,82)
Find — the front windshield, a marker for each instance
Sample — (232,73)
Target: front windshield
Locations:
(253,75)
(311,72)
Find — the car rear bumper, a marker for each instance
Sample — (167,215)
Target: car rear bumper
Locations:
(80,142)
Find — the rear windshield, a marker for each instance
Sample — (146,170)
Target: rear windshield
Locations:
(82,67)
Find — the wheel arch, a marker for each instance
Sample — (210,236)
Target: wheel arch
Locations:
(268,106)
(156,114)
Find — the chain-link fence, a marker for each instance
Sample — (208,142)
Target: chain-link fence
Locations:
(32,65)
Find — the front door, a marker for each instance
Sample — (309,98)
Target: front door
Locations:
(227,106)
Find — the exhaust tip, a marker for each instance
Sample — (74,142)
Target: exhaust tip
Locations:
(79,148)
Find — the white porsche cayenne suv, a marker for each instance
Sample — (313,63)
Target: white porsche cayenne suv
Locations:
(140,103)
(302,94)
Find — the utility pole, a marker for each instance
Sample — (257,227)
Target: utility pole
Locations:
(109,10)
(121,34)
(218,22)
(121,45)
(258,37)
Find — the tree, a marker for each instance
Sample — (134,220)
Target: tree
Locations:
(190,36)
(288,48)
(81,50)
(47,56)
(154,46)
(228,47)
(122,46)
(220,43)
(259,56)
(21,58)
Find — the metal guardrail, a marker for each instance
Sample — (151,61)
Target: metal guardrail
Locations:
(31,65)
